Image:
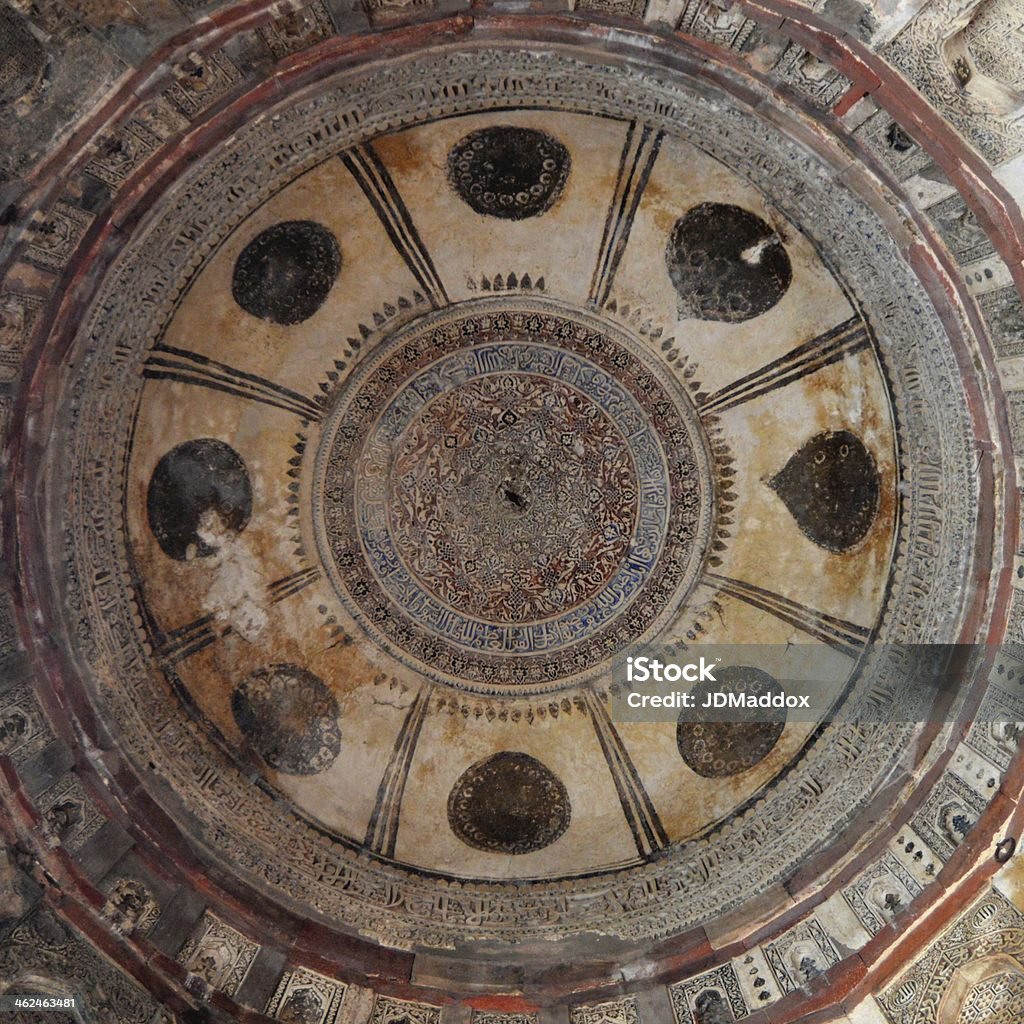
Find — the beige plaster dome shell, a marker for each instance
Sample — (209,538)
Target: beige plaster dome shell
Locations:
(402,383)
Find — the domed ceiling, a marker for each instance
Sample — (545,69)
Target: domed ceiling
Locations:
(439,426)
(379,420)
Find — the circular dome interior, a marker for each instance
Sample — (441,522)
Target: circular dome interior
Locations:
(418,378)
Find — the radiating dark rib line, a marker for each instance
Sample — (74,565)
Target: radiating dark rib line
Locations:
(382,832)
(183,642)
(431,278)
(379,187)
(811,356)
(240,375)
(373,178)
(635,165)
(227,389)
(614,210)
(289,585)
(389,211)
(641,816)
(846,637)
(157,368)
(190,368)
(189,627)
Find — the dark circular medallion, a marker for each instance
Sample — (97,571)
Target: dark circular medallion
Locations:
(509,172)
(290,718)
(831,488)
(285,272)
(717,743)
(726,264)
(509,803)
(507,496)
(199,486)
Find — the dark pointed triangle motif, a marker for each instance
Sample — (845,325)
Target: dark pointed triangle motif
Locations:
(831,488)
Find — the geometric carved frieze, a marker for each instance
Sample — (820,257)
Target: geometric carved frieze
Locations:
(297,30)
(996,1000)
(809,76)
(151,124)
(995,40)
(69,814)
(965,56)
(402,1011)
(715,995)
(621,8)
(615,1011)
(384,12)
(880,892)
(201,81)
(54,238)
(306,997)
(131,907)
(42,956)
(898,150)
(494,1017)
(998,727)
(960,229)
(17,315)
(948,813)
(23,60)
(715,22)
(800,955)
(218,954)
(118,154)
(1015,416)
(1004,314)
(992,927)
(24,730)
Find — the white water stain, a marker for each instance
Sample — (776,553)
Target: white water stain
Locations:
(237,595)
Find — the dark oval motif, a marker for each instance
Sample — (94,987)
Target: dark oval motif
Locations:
(716,743)
(284,274)
(509,803)
(726,263)
(290,719)
(831,488)
(192,480)
(509,172)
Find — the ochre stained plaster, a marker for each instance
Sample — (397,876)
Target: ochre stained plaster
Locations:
(555,250)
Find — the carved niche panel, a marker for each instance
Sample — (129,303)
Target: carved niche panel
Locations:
(967,57)
(992,927)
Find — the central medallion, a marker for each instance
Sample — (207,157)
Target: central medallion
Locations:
(513,498)
(508,493)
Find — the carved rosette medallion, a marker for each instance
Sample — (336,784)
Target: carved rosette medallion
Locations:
(508,495)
